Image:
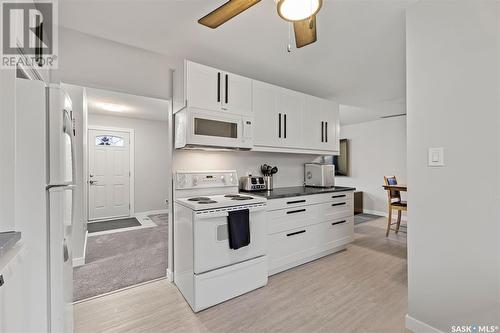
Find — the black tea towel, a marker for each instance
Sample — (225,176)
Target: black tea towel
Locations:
(238,225)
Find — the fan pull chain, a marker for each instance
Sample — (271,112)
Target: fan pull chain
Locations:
(289,44)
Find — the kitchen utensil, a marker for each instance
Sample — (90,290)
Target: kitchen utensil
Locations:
(274,170)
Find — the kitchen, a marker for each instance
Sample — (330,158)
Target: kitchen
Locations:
(250,247)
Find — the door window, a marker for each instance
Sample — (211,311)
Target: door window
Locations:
(108,140)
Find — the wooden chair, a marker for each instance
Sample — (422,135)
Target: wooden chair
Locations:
(394,202)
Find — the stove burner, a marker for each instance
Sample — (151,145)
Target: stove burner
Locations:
(203,202)
(231,195)
(199,199)
(241,197)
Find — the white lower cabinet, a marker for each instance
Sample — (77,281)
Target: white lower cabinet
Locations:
(322,225)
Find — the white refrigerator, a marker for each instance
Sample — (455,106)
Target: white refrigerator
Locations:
(45,118)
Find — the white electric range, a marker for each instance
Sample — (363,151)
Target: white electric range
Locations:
(206,270)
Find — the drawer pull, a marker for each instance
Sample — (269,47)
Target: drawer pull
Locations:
(338,204)
(294,202)
(338,196)
(295,233)
(340,222)
(296,211)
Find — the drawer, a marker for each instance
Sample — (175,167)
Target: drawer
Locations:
(291,218)
(290,246)
(334,233)
(219,285)
(275,204)
(335,210)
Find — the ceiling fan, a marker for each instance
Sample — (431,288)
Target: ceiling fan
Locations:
(302,13)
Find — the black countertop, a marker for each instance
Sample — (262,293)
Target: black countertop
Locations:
(297,191)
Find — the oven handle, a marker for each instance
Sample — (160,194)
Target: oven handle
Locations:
(226,213)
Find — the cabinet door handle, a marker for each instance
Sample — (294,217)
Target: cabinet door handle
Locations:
(227,89)
(326,131)
(322,131)
(338,204)
(339,222)
(294,202)
(295,233)
(296,211)
(218,87)
(338,196)
(279,125)
(284,132)
(1,280)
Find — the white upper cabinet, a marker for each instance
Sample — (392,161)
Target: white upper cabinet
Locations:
(203,87)
(277,116)
(320,119)
(283,120)
(267,127)
(291,107)
(289,121)
(211,89)
(237,94)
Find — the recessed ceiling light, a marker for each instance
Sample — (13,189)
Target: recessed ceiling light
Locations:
(112,107)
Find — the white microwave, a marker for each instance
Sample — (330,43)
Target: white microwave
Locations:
(197,128)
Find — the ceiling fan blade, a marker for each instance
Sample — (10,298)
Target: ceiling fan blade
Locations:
(305,31)
(226,12)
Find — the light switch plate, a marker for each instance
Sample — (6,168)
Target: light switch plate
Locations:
(436,157)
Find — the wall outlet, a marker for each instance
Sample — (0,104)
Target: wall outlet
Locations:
(436,157)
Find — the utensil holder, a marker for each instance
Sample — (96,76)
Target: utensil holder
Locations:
(268,180)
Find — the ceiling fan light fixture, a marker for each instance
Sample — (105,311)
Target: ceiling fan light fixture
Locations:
(298,10)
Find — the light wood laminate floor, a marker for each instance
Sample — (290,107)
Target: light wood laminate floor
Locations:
(362,289)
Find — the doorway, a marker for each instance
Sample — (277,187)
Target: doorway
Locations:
(126,152)
(110,175)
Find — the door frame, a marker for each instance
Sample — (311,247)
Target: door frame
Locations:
(131,133)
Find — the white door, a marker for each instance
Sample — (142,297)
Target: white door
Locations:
(204,87)
(109,174)
(237,94)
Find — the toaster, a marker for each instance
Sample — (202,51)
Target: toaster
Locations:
(319,175)
(250,183)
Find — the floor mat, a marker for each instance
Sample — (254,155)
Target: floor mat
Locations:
(112,224)
(122,259)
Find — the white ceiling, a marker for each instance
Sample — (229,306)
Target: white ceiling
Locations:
(359,58)
(133,106)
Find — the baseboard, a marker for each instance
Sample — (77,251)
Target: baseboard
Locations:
(80,261)
(417,326)
(151,212)
(404,217)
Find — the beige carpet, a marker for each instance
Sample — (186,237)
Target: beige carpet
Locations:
(122,259)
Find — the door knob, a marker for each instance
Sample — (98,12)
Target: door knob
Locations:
(92,182)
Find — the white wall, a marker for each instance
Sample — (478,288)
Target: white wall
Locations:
(7,149)
(151,158)
(454,218)
(376,149)
(290,166)
(95,62)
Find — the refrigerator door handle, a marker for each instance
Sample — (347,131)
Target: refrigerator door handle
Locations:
(69,130)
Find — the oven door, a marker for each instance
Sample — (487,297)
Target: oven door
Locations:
(219,129)
(211,243)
